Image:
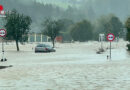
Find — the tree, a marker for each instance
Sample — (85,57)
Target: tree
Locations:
(17,25)
(65,32)
(108,24)
(51,29)
(82,31)
(114,26)
(23,39)
(127,24)
(99,26)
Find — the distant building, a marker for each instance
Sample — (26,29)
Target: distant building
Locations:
(33,37)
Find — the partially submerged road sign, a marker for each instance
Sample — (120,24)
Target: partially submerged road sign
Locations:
(110,37)
(3,32)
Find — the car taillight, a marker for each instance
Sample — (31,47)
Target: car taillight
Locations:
(46,48)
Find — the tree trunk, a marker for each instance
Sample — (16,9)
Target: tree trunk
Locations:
(53,41)
(17,45)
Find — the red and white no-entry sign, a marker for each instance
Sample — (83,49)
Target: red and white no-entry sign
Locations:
(3,32)
(1,7)
(110,37)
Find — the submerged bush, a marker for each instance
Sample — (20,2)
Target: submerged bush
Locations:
(128,45)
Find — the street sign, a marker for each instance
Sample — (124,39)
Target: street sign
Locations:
(3,32)
(1,7)
(110,37)
(2,12)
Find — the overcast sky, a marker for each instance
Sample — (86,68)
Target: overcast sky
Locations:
(120,8)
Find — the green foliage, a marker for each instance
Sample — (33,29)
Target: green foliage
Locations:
(127,24)
(82,31)
(128,45)
(108,24)
(67,23)
(128,36)
(65,32)
(17,25)
(99,26)
(114,26)
(66,36)
(24,38)
(52,29)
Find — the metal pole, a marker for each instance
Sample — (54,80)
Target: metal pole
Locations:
(101,45)
(3,59)
(2,48)
(110,50)
(2,51)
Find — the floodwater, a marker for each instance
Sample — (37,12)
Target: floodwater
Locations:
(84,53)
(74,66)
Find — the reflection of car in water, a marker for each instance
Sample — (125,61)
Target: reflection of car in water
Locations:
(44,48)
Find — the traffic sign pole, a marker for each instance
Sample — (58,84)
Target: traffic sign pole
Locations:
(110,50)
(3,52)
(110,37)
(3,34)
(2,49)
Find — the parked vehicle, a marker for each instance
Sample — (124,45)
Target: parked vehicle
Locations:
(44,48)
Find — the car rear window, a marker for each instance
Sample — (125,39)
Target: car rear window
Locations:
(40,45)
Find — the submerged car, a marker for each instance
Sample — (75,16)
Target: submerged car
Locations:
(44,48)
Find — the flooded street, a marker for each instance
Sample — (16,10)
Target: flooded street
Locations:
(74,66)
(84,53)
(91,40)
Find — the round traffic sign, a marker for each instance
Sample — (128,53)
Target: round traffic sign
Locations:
(1,7)
(2,12)
(3,32)
(110,37)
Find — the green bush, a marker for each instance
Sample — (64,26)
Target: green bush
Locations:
(82,31)
(128,45)
(127,24)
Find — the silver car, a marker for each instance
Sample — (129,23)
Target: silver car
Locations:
(44,48)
